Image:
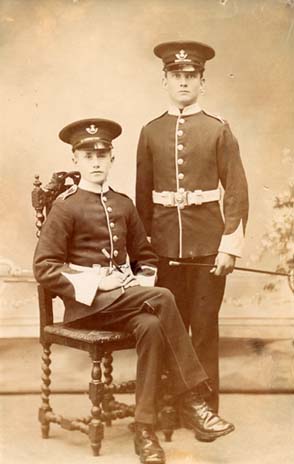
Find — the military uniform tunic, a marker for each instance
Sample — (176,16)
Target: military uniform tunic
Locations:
(191,151)
(76,230)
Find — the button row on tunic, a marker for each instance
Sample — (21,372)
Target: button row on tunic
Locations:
(111,225)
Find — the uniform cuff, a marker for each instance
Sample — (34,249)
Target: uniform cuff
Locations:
(147,278)
(233,244)
(85,285)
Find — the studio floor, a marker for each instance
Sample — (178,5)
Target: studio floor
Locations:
(264,434)
(261,371)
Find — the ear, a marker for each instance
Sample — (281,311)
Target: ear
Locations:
(202,86)
(164,81)
(74,157)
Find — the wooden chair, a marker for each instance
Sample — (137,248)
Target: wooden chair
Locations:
(99,344)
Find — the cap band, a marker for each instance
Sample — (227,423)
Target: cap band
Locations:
(94,142)
(181,66)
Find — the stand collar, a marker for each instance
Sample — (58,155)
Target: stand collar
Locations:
(92,187)
(188,110)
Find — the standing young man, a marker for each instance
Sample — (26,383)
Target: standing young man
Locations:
(100,291)
(183,157)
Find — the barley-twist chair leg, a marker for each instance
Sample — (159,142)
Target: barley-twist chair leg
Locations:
(45,388)
(96,389)
(108,397)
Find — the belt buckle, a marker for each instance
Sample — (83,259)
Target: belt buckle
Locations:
(198,197)
(181,199)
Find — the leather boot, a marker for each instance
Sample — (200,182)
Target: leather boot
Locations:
(147,445)
(195,414)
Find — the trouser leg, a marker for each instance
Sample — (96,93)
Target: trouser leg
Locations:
(206,301)
(175,279)
(150,345)
(198,296)
(180,357)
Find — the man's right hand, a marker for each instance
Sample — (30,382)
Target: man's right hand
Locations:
(117,280)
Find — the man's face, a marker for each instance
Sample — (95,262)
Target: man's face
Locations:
(183,87)
(94,165)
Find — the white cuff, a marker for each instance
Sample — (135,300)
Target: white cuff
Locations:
(233,244)
(85,285)
(147,280)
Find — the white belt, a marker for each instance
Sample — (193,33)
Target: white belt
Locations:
(186,198)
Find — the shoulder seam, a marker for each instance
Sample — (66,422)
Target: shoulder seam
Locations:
(215,116)
(120,193)
(155,119)
(67,193)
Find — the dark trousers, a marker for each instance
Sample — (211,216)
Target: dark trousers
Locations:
(198,295)
(161,339)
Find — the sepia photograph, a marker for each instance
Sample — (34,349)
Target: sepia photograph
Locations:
(147,231)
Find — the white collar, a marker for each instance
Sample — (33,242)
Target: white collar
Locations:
(191,109)
(92,187)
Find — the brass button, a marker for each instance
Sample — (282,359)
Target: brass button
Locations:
(181,121)
(181,176)
(181,190)
(180,161)
(115,253)
(104,199)
(109,209)
(180,147)
(115,238)
(180,132)
(112,225)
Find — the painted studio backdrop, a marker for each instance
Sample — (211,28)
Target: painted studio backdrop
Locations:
(63,60)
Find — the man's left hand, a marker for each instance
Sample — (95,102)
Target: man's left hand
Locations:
(224,264)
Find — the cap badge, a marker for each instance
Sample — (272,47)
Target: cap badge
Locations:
(92,129)
(182,56)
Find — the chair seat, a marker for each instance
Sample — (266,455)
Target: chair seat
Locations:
(61,333)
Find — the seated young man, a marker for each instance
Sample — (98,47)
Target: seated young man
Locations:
(87,241)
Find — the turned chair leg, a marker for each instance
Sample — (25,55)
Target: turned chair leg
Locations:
(108,397)
(45,388)
(96,388)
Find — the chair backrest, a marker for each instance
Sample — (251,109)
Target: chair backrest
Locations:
(42,199)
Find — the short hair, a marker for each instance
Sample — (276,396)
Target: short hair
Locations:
(75,150)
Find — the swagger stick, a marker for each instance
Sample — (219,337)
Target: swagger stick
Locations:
(289,275)
(246,269)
